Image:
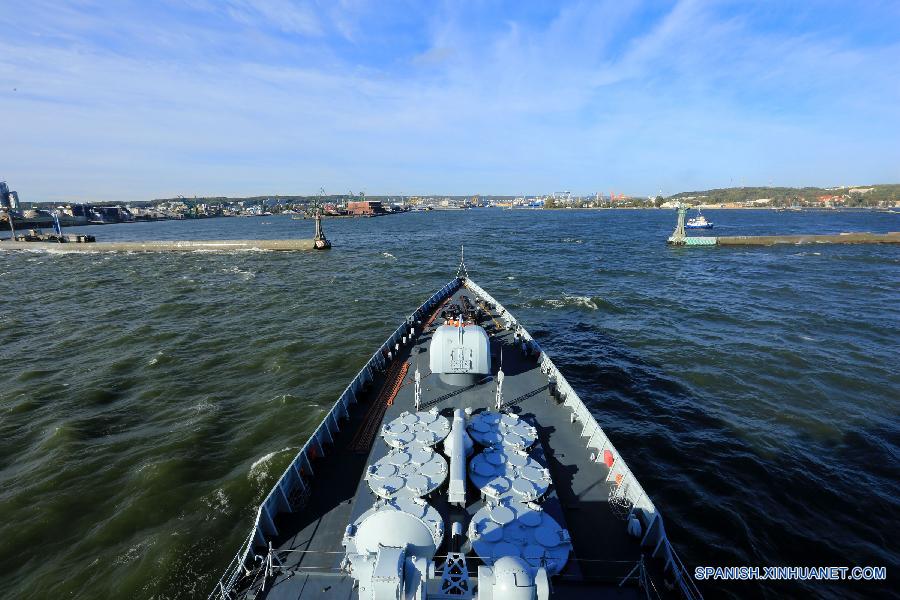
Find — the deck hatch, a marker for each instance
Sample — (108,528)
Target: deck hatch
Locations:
(498,471)
(414,471)
(493,429)
(519,529)
(424,428)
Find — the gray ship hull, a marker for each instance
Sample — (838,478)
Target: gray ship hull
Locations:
(296,548)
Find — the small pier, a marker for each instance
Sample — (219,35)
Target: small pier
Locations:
(292,245)
(35,240)
(678,237)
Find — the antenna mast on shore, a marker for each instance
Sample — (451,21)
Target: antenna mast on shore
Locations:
(319,240)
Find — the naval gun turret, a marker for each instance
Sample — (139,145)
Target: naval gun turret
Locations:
(460,352)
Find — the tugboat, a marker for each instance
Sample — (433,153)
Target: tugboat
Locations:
(698,222)
(459,463)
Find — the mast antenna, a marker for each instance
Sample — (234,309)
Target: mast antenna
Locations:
(498,400)
(462,263)
(418,389)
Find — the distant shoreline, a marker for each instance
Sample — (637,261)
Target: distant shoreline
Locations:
(719,207)
(42,224)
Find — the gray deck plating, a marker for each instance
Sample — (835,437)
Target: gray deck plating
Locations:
(602,554)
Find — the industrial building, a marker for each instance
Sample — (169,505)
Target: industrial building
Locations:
(365,207)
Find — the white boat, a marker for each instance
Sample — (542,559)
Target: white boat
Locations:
(698,222)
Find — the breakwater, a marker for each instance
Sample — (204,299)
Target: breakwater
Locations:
(164,246)
(840,238)
(771,240)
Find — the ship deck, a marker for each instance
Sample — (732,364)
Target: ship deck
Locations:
(309,544)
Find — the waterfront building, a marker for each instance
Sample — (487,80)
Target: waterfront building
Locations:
(365,207)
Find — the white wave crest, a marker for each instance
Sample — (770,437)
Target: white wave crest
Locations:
(204,406)
(133,553)
(259,470)
(568,300)
(245,274)
(217,502)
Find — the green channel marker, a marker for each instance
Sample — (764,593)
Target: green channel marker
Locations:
(700,241)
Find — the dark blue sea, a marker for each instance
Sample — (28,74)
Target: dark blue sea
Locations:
(149,401)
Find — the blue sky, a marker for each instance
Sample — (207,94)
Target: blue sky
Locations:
(120,100)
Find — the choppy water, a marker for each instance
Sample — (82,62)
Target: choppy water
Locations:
(149,401)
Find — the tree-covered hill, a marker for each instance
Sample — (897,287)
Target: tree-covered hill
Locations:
(864,195)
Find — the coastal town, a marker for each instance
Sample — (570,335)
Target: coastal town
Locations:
(67,214)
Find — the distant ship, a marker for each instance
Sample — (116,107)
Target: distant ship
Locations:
(458,464)
(698,222)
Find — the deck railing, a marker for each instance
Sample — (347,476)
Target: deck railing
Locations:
(604,452)
(292,486)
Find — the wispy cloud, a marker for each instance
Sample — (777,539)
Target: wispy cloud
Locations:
(273,96)
(285,15)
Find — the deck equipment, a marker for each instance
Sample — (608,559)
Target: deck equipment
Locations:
(468,482)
